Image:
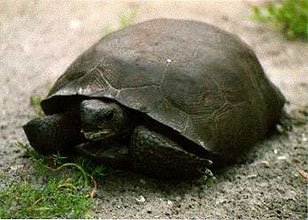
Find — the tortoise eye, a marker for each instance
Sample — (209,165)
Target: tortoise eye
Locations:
(109,115)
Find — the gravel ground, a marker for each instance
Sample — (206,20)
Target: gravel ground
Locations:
(39,39)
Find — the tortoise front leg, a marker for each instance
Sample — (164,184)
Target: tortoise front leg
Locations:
(114,153)
(54,134)
(156,155)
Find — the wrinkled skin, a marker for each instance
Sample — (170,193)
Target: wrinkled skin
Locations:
(106,131)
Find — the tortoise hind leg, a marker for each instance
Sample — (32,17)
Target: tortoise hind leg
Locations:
(54,134)
(159,156)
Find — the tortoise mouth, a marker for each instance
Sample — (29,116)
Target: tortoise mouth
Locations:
(98,135)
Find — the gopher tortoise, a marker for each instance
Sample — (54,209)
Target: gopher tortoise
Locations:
(169,98)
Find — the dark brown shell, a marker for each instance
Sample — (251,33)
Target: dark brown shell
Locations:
(190,76)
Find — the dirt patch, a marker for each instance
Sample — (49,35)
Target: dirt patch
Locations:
(39,39)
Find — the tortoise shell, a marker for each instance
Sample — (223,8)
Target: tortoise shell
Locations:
(190,76)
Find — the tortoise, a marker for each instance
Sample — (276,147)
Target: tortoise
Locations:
(169,98)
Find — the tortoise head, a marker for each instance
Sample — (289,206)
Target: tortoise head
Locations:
(103,119)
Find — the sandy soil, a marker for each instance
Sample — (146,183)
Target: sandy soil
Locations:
(39,39)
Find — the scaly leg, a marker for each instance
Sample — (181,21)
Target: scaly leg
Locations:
(54,134)
(156,155)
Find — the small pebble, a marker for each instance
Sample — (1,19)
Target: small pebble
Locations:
(221,201)
(252,176)
(282,157)
(290,195)
(169,203)
(275,151)
(280,129)
(303,173)
(140,199)
(16,167)
(74,24)
(169,60)
(265,163)
(178,198)
(142,181)
(148,209)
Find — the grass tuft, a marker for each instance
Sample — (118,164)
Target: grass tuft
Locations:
(35,102)
(125,19)
(57,199)
(66,189)
(291,16)
(129,18)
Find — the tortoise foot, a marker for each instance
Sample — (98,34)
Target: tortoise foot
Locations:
(54,134)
